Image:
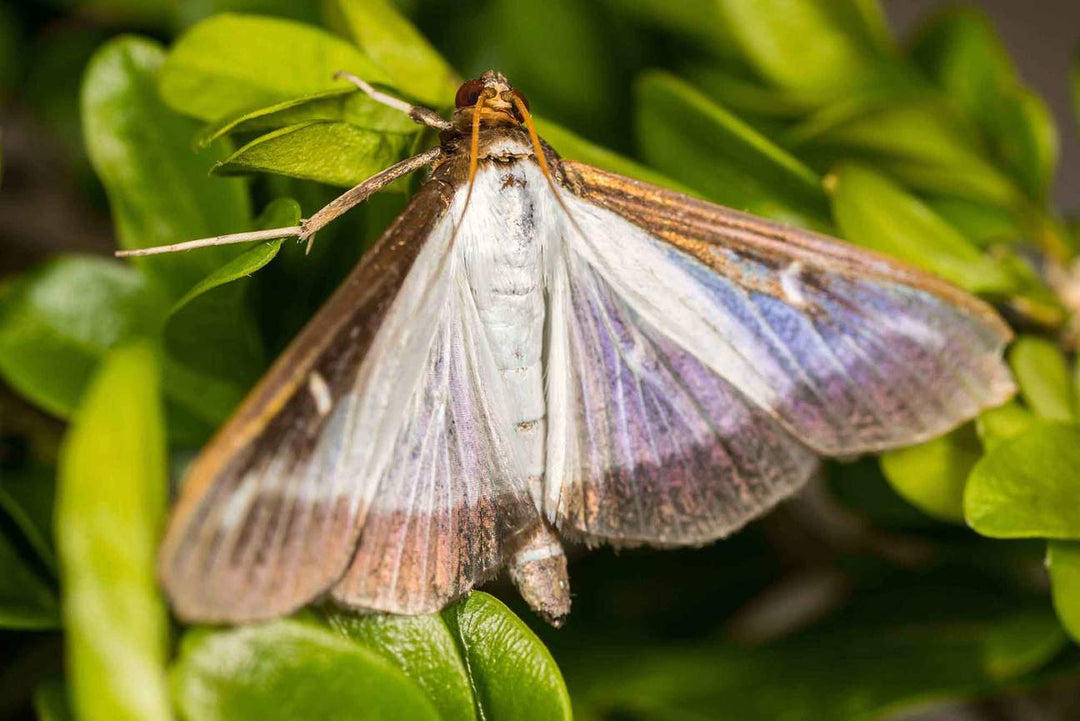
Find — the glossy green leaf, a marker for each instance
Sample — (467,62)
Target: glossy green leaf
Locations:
(26,600)
(872,211)
(1063,560)
(475,660)
(1027,486)
(512,673)
(797,45)
(932,475)
(329,152)
(425,649)
(281,213)
(57,322)
(390,40)
(572,146)
(1022,643)
(1002,423)
(110,508)
(232,62)
(158,188)
(341,104)
(288,670)
(1041,372)
(695,141)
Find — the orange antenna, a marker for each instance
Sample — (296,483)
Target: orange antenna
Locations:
(527,117)
(474,152)
(541,156)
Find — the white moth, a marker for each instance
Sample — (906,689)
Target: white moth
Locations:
(537,349)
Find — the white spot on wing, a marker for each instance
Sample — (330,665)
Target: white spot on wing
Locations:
(320,393)
(790,285)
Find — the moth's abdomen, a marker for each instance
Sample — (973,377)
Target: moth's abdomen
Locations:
(503,255)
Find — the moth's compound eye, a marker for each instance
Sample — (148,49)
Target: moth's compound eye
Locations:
(469,93)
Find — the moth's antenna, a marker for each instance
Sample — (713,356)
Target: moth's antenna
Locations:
(474,152)
(216,240)
(542,157)
(419,114)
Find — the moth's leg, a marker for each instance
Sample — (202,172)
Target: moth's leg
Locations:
(421,115)
(307,228)
(360,193)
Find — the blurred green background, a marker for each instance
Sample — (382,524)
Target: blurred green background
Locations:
(936,582)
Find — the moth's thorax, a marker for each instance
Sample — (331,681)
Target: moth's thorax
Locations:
(502,145)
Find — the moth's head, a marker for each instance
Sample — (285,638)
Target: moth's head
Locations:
(494,96)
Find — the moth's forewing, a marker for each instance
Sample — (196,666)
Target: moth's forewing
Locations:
(696,344)
(256,533)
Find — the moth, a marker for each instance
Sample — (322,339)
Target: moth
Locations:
(537,350)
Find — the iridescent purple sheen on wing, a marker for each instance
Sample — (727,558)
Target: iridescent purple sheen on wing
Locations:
(671,453)
(870,364)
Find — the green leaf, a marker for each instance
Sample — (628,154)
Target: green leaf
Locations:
(932,475)
(214,352)
(695,141)
(475,660)
(985,225)
(962,53)
(329,152)
(27,496)
(288,670)
(57,322)
(513,675)
(1027,486)
(1002,423)
(26,601)
(872,211)
(1063,559)
(1043,376)
(281,213)
(803,45)
(572,146)
(916,139)
(391,41)
(1022,643)
(342,104)
(158,189)
(110,508)
(424,648)
(1025,140)
(232,62)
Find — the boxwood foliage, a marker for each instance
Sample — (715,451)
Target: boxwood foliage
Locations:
(880,588)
